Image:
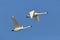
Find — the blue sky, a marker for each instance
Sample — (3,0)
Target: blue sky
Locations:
(47,29)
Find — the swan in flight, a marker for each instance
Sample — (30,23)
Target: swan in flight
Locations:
(17,26)
(33,14)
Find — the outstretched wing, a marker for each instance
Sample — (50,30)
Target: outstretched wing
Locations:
(15,22)
(37,18)
(31,13)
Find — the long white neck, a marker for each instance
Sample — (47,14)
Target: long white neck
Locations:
(42,13)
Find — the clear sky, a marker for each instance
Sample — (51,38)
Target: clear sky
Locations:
(47,29)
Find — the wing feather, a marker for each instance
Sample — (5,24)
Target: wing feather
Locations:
(37,18)
(15,22)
